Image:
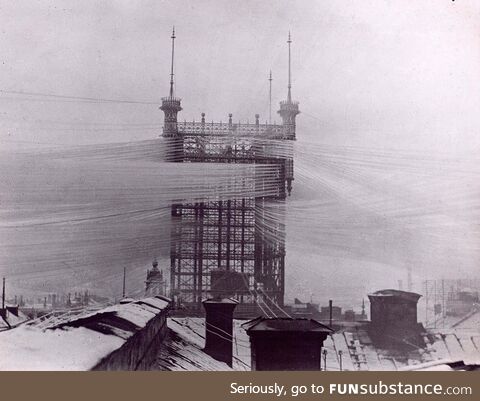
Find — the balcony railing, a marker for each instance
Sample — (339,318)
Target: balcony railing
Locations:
(224,129)
(172,99)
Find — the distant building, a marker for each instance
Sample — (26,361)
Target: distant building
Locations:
(336,313)
(309,310)
(155,284)
(460,303)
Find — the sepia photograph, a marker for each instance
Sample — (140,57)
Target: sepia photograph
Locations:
(240,186)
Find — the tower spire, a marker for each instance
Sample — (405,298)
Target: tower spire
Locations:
(289,96)
(288,108)
(270,98)
(171,70)
(171,106)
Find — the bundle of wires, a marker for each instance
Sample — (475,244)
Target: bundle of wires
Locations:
(75,216)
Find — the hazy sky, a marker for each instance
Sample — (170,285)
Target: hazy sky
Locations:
(384,73)
(402,75)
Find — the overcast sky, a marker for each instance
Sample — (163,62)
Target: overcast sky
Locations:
(384,73)
(402,75)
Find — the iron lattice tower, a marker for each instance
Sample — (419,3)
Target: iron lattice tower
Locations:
(229,246)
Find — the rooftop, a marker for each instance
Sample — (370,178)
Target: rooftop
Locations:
(221,301)
(80,342)
(182,349)
(412,296)
(285,324)
(13,317)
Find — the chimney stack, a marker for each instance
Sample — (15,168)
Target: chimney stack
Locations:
(393,316)
(286,343)
(219,328)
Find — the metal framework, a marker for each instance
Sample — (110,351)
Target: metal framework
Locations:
(233,237)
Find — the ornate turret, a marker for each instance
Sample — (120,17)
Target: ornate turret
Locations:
(171,106)
(288,109)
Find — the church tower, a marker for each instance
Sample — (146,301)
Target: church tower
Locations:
(289,109)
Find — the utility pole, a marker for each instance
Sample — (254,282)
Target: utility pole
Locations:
(426,303)
(435,304)
(270,98)
(124,275)
(409,278)
(443,303)
(3,294)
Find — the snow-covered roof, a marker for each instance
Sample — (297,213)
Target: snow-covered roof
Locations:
(357,349)
(360,353)
(12,319)
(285,324)
(79,343)
(3,324)
(410,296)
(446,365)
(182,350)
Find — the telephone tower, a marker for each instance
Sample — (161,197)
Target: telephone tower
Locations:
(230,247)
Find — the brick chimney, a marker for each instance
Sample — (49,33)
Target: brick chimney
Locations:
(219,328)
